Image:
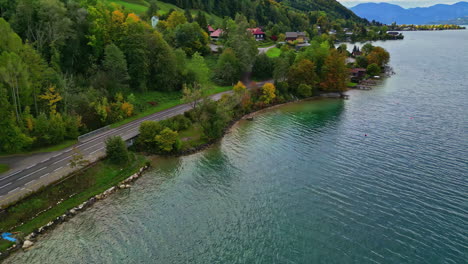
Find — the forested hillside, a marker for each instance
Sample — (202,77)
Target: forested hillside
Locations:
(71,66)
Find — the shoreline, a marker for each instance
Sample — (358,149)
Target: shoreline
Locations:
(33,237)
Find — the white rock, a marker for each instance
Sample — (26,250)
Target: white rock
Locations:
(128,186)
(27,244)
(73,211)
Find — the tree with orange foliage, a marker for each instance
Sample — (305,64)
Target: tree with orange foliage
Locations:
(335,73)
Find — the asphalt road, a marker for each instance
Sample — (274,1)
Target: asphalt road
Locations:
(19,183)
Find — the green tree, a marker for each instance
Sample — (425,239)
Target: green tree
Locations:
(263,67)
(305,90)
(373,69)
(228,69)
(116,150)
(242,43)
(12,139)
(302,73)
(115,66)
(213,119)
(191,38)
(201,20)
(168,140)
(152,8)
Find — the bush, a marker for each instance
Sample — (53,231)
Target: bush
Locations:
(282,88)
(373,69)
(116,150)
(304,90)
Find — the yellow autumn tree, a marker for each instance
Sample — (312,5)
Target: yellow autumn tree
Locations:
(127,108)
(268,91)
(176,18)
(52,97)
(239,88)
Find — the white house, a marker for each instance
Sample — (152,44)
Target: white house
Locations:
(154,21)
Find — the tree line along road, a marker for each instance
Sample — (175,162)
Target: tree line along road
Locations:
(17,184)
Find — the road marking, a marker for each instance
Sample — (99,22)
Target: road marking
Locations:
(5,185)
(57,169)
(44,175)
(32,173)
(91,146)
(61,160)
(31,182)
(95,151)
(13,190)
(6,177)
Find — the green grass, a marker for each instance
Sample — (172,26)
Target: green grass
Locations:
(273,53)
(53,148)
(4,168)
(82,186)
(133,7)
(351,84)
(192,137)
(265,44)
(140,6)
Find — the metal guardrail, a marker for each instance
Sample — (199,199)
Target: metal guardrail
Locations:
(85,137)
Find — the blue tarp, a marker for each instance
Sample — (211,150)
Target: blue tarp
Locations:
(7,236)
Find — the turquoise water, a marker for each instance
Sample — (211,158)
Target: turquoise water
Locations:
(303,184)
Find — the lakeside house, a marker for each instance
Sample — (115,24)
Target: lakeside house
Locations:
(258,34)
(357,74)
(300,37)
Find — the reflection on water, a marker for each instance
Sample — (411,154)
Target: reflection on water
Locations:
(303,184)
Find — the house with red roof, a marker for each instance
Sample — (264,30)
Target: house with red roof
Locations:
(217,34)
(210,29)
(258,34)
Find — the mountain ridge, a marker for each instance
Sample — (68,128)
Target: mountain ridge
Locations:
(388,13)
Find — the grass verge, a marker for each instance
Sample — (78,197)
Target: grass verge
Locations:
(53,148)
(273,53)
(81,186)
(4,168)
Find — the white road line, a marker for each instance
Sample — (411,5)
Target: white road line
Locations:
(32,173)
(61,160)
(45,175)
(32,181)
(5,185)
(57,169)
(91,146)
(95,151)
(6,177)
(13,190)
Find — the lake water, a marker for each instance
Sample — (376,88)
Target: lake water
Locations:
(303,184)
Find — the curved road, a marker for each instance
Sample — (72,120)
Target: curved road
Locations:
(15,185)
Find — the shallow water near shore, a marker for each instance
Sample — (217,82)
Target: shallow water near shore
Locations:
(303,183)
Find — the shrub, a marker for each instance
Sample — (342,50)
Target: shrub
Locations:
(116,150)
(304,90)
(373,69)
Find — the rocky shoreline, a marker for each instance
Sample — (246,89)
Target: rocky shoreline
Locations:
(30,239)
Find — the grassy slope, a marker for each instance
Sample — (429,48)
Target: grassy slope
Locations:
(84,185)
(163,9)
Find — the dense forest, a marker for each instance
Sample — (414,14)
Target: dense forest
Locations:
(71,66)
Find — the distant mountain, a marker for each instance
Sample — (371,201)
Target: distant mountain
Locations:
(389,13)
